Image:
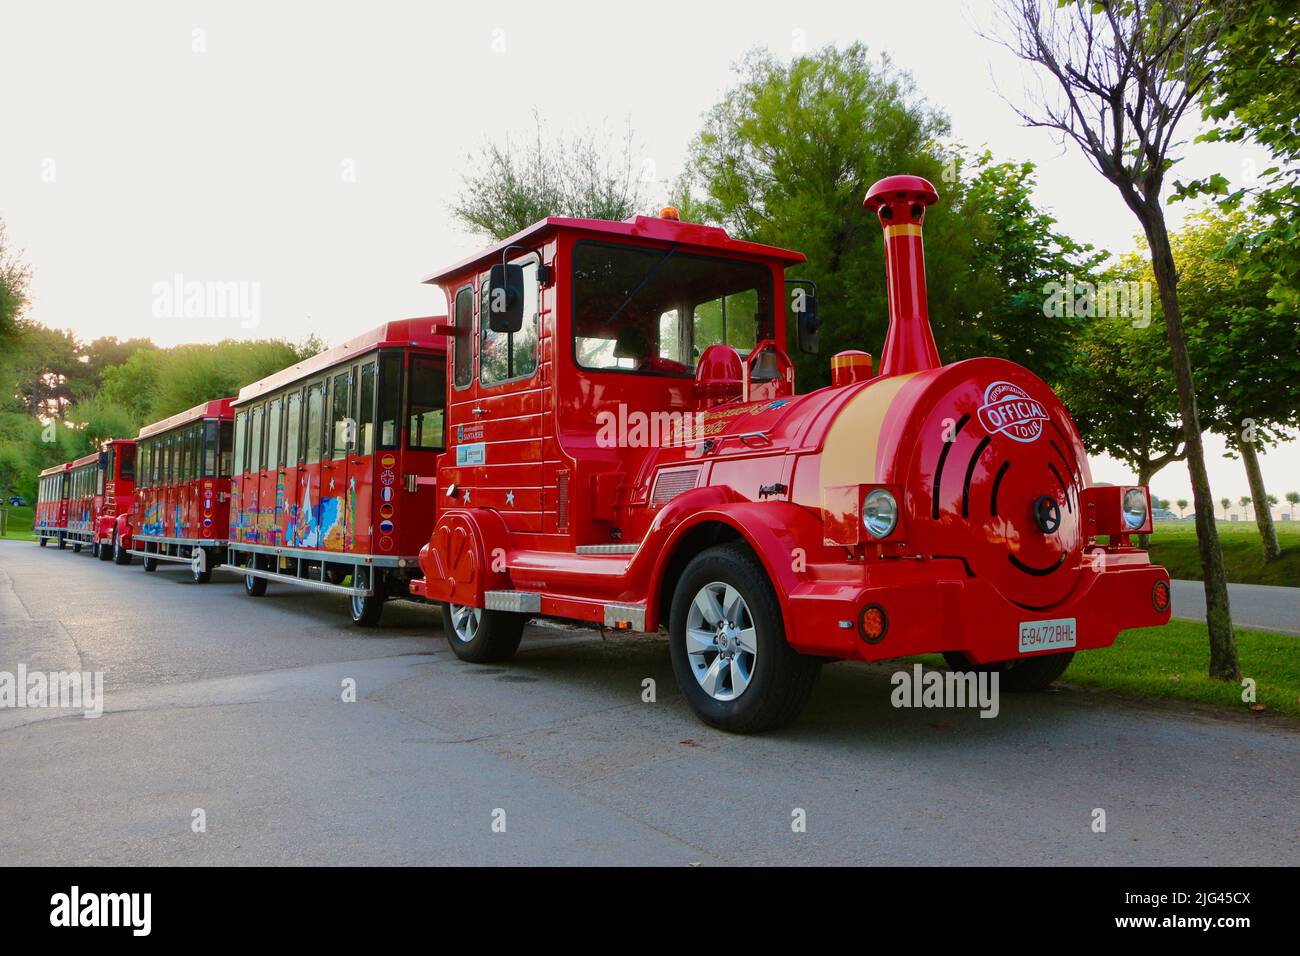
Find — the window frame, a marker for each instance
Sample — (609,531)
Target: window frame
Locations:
(533,259)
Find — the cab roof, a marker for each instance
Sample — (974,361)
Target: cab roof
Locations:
(697,237)
(418,333)
(215,409)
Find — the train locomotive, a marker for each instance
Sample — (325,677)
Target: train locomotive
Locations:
(620,443)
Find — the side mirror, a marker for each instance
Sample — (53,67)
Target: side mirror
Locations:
(505,298)
(808,321)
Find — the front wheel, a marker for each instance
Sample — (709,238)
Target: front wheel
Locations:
(120,554)
(728,645)
(149,564)
(366,609)
(104,551)
(63,542)
(482,637)
(76,547)
(44,542)
(1022,674)
(254,586)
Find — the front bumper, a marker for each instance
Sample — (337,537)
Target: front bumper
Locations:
(934,606)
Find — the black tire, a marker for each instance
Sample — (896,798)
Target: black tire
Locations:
(76,547)
(44,541)
(494,638)
(204,576)
(103,551)
(781,680)
(63,542)
(1019,675)
(366,609)
(120,554)
(149,564)
(254,586)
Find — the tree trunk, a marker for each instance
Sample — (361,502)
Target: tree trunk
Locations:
(1218,614)
(1258,494)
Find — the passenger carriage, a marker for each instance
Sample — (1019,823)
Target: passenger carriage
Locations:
(50,517)
(332,485)
(182,501)
(101,488)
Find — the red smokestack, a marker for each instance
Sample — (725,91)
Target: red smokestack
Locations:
(900,203)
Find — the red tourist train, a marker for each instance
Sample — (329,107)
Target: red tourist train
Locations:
(616,439)
(182,508)
(101,488)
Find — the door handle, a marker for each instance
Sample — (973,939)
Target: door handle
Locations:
(479,411)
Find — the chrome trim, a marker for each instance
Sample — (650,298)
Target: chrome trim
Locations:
(337,557)
(296,581)
(606,549)
(201,542)
(630,613)
(519,602)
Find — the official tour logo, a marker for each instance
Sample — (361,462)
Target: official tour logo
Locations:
(1009,410)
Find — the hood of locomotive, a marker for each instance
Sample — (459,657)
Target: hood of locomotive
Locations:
(988,467)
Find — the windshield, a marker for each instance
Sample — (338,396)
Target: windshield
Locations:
(656,310)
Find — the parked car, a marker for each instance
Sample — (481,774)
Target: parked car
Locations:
(1163,514)
(18,501)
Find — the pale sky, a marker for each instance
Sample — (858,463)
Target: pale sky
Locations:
(309,150)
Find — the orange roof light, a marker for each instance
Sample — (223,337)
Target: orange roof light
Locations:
(670,212)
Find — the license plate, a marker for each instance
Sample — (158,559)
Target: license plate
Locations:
(1056,635)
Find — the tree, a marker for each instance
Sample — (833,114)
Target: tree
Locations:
(1244,501)
(1182,506)
(1226,503)
(15,276)
(527,179)
(1244,350)
(1293,499)
(1254,93)
(1124,73)
(786,157)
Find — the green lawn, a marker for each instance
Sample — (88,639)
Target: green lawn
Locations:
(19,523)
(1174,546)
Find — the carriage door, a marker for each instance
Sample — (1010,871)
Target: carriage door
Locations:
(337,500)
(361,463)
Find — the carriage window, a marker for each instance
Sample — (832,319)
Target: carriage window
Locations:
(292,429)
(390,400)
(315,420)
(365,438)
(225,453)
(126,463)
(104,472)
(427,402)
(273,437)
(255,439)
(656,310)
(343,424)
(464,351)
(209,449)
(187,453)
(196,442)
(506,355)
(241,440)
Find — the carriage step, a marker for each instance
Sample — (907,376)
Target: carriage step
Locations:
(520,602)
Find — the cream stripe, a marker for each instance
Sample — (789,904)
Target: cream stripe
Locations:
(906,229)
(849,455)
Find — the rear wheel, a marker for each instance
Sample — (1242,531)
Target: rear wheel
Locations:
(76,547)
(728,645)
(149,564)
(44,542)
(482,637)
(254,586)
(120,555)
(1021,674)
(366,609)
(104,551)
(63,542)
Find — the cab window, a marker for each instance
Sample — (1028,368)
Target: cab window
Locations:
(390,400)
(503,356)
(463,346)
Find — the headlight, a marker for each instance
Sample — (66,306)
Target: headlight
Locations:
(1135,508)
(879,513)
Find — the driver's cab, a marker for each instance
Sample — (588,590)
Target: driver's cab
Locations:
(581,347)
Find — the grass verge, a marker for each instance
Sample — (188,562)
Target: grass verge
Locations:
(1174,546)
(18,523)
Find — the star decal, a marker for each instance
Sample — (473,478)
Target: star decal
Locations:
(466,496)
(510,498)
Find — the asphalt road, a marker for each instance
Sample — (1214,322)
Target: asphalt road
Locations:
(1259,607)
(233,705)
